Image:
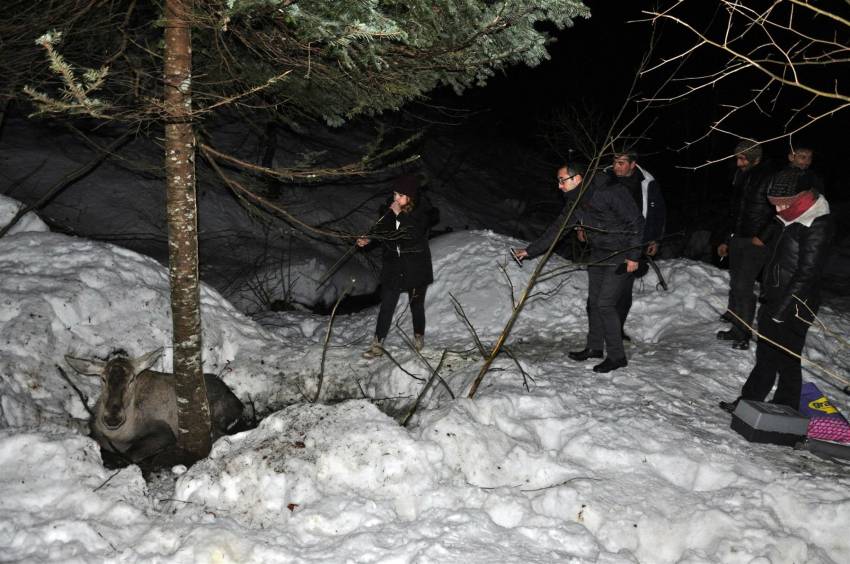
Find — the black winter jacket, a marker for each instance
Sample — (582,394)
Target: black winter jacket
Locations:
(406,257)
(646,193)
(751,213)
(612,220)
(798,253)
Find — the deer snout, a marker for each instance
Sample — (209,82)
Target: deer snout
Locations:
(113,418)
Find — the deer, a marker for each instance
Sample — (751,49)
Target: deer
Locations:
(135,416)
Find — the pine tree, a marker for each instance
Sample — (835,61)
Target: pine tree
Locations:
(317,58)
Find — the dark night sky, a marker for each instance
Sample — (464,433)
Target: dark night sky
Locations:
(597,59)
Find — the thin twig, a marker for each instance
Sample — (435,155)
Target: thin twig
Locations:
(108,479)
(327,340)
(83,398)
(462,314)
(821,324)
(792,353)
(525,375)
(434,374)
(412,346)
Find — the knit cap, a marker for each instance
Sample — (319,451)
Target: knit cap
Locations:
(787,185)
(751,150)
(407,184)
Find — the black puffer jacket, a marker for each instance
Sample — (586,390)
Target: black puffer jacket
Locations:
(612,220)
(407,257)
(798,253)
(643,186)
(751,212)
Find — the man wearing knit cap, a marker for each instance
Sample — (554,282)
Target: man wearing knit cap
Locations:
(791,289)
(801,156)
(750,215)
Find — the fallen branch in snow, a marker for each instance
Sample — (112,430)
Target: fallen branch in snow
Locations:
(400,367)
(351,250)
(106,481)
(508,278)
(412,346)
(565,482)
(480,346)
(434,375)
(328,339)
(525,376)
(459,310)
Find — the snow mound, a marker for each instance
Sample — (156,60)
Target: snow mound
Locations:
(62,295)
(309,459)
(473,266)
(29,222)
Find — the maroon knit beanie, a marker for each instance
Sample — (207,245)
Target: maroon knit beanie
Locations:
(408,185)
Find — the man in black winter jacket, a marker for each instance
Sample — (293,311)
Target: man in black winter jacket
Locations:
(799,245)
(646,193)
(744,245)
(613,227)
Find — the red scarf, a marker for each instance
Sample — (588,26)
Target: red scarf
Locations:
(804,201)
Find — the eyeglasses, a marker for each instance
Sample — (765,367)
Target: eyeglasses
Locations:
(563,180)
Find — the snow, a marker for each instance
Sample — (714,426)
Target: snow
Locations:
(638,465)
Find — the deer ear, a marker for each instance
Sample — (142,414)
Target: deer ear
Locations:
(142,363)
(88,367)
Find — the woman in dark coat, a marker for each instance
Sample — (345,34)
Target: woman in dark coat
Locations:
(791,287)
(403,233)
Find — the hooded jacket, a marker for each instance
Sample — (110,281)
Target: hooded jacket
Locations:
(797,258)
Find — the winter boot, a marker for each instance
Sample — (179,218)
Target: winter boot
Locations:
(418,342)
(584,354)
(729,406)
(375,349)
(610,364)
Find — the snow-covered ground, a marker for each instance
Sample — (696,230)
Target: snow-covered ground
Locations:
(638,465)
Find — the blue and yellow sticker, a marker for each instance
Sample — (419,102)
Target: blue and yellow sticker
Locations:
(822,404)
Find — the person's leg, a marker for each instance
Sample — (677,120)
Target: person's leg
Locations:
(595,330)
(753,263)
(624,304)
(612,287)
(790,372)
(746,261)
(768,359)
(734,260)
(417,309)
(389,299)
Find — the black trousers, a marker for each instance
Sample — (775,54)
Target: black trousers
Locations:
(389,299)
(772,361)
(624,304)
(745,263)
(605,288)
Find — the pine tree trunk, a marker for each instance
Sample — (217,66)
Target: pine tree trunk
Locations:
(193,437)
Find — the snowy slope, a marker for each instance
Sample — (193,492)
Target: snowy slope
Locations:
(633,466)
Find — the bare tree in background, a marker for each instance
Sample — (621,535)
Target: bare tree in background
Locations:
(795,53)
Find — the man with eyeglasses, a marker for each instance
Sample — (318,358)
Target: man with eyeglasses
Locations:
(613,228)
